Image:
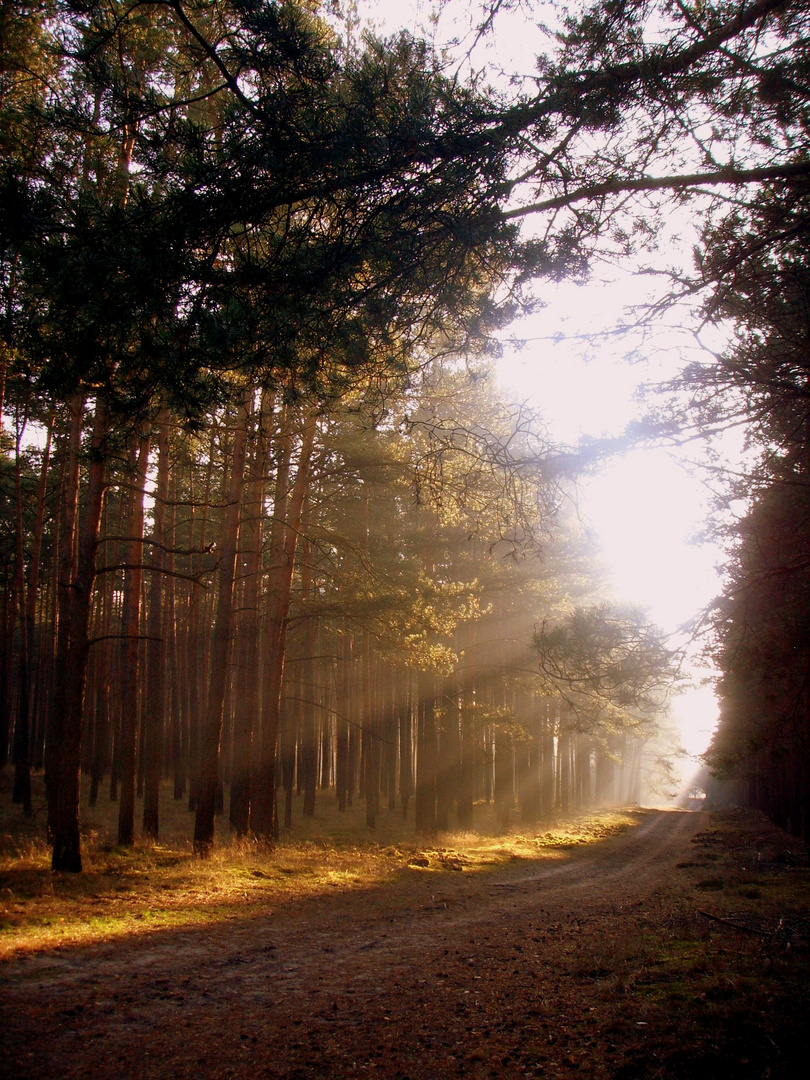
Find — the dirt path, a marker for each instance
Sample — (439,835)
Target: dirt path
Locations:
(516,973)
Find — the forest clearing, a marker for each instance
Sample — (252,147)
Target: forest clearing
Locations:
(621,945)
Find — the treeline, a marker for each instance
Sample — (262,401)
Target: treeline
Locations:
(230,245)
(213,217)
(761,752)
(357,597)
(753,279)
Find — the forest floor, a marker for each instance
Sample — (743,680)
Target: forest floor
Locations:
(625,945)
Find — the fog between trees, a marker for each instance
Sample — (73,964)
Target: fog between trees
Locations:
(280,529)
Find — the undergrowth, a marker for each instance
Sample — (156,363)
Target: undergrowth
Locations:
(160,885)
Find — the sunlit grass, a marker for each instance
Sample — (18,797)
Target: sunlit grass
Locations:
(160,886)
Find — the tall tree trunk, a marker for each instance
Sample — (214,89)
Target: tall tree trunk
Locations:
(27,590)
(532,753)
(116,552)
(564,764)
(405,705)
(246,690)
(548,715)
(100,754)
(504,785)
(7,623)
(69,689)
(449,755)
(342,721)
(131,645)
(307,711)
(211,734)
(390,746)
(21,792)
(425,801)
(307,693)
(371,734)
(195,639)
(153,717)
(287,513)
(68,505)
(466,787)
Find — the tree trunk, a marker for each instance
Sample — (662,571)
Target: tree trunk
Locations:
(69,689)
(371,736)
(390,745)
(342,721)
(547,767)
(246,695)
(504,788)
(211,734)
(102,658)
(153,717)
(307,693)
(195,639)
(425,801)
(449,755)
(68,505)
(284,532)
(28,593)
(131,646)
(405,743)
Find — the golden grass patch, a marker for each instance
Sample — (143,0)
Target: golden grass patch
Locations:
(156,886)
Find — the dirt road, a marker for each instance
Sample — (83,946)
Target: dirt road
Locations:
(528,971)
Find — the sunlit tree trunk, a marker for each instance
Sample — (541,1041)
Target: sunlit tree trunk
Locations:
(425,799)
(404,684)
(504,776)
(547,768)
(176,696)
(447,787)
(288,745)
(371,734)
(390,746)
(307,693)
(466,787)
(564,769)
(115,553)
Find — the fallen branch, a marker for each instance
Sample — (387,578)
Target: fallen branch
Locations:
(736,925)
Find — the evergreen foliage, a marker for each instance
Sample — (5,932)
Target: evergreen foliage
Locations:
(220,224)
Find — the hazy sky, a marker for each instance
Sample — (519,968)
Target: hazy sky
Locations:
(647,507)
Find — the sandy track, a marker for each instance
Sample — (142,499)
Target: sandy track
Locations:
(470,974)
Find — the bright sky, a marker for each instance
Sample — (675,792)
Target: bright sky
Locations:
(646,507)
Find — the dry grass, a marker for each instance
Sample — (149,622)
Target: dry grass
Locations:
(157,886)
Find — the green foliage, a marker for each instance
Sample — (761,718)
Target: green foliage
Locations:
(763,629)
(610,666)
